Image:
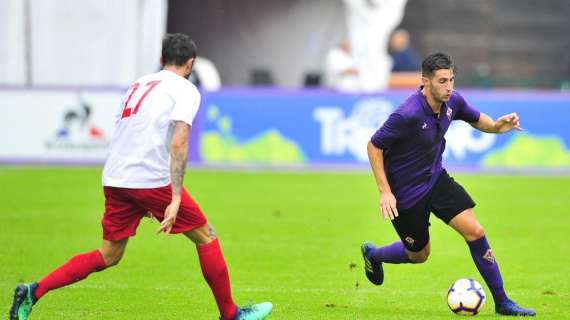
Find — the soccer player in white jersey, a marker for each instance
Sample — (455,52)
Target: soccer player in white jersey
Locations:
(143,174)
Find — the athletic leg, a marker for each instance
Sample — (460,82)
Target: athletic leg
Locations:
(412,225)
(74,270)
(467,225)
(215,272)
(119,222)
(214,268)
(193,224)
(82,265)
(452,204)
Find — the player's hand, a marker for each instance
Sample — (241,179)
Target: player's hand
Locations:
(169,217)
(388,205)
(507,123)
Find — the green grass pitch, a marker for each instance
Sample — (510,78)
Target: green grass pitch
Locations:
(290,238)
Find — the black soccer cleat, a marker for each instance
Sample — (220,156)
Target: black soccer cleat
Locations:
(374,270)
(511,308)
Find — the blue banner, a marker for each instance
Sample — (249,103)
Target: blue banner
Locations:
(290,127)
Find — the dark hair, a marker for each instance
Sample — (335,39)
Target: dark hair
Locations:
(436,61)
(177,48)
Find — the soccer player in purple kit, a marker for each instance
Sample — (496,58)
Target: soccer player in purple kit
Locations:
(405,155)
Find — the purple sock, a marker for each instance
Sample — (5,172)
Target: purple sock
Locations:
(394,253)
(488,268)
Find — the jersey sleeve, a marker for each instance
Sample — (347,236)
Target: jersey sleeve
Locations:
(187,102)
(391,131)
(465,111)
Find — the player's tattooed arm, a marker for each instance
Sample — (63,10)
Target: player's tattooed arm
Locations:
(178,159)
(178,156)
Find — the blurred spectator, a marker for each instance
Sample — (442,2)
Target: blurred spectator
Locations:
(370,23)
(403,56)
(261,76)
(312,79)
(405,69)
(340,70)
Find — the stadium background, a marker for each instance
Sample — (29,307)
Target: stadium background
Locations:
(64,66)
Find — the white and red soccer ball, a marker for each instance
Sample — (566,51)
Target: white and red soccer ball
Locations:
(466,297)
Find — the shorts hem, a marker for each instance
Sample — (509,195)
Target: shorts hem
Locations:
(118,237)
(415,250)
(186,229)
(446,221)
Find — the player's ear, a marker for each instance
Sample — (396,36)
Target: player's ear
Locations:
(425,80)
(190,63)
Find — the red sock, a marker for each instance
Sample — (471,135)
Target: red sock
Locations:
(215,272)
(77,268)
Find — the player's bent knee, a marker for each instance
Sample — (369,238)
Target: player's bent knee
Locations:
(112,263)
(111,259)
(475,234)
(212,232)
(418,257)
(202,235)
(202,241)
(479,233)
(112,251)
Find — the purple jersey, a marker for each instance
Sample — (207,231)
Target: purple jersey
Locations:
(413,142)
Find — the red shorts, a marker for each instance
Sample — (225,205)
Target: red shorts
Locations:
(124,209)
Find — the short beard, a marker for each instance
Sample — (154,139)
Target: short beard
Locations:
(435,96)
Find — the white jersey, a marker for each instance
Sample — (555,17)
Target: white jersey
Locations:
(139,154)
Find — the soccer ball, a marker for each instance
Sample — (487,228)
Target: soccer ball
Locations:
(466,297)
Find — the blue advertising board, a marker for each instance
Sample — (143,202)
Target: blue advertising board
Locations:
(291,127)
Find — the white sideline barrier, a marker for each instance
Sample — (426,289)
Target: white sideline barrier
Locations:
(56,126)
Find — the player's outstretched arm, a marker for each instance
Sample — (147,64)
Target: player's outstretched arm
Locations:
(178,160)
(503,124)
(387,198)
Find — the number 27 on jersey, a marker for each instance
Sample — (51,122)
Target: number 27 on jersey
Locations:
(129,110)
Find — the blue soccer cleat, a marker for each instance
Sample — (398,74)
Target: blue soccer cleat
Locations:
(258,311)
(23,301)
(374,271)
(511,308)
